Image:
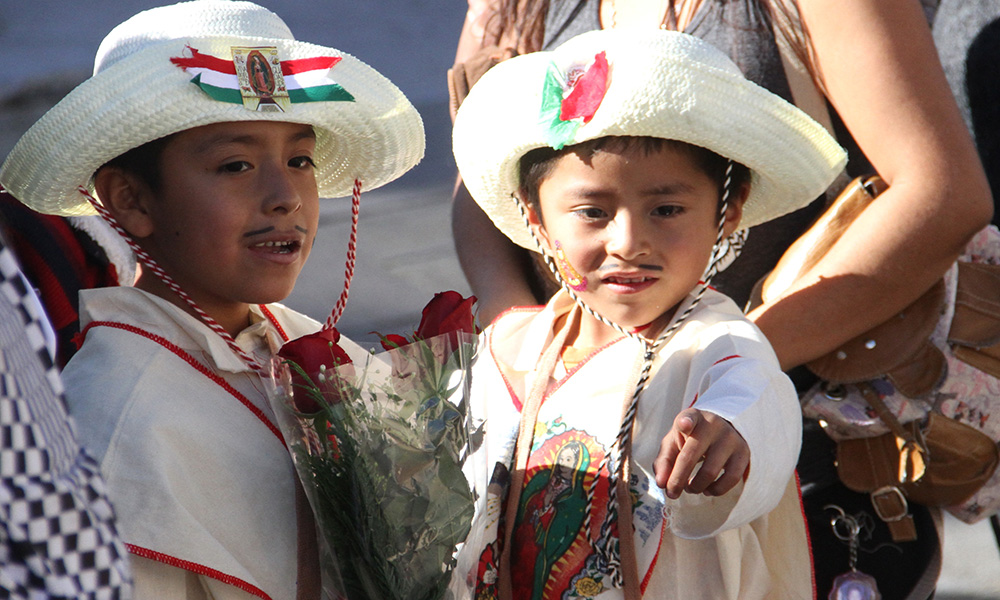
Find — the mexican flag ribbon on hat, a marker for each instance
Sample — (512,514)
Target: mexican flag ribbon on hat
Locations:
(251,73)
(570,101)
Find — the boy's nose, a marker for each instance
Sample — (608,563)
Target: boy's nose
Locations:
(627,238)
(280,191)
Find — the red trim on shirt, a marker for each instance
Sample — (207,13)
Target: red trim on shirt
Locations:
(510,389)
(652,564)
(274,321)
(805,525)
(197,366)
(580,364)
(196,568)
(722,360)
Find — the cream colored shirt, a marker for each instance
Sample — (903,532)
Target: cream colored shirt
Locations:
(203,488)
(747,544)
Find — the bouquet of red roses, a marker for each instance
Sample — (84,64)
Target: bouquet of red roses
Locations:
(380,447)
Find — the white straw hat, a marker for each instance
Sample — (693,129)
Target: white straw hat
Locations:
(153,76)
(658,83)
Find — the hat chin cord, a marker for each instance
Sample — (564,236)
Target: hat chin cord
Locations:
(606,546)
(352,247)
(212,324)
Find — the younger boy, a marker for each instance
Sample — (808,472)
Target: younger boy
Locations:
(633,154)
(208,133)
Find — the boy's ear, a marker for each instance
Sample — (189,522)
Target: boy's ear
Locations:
(127,198)
(535,221)
(735,210)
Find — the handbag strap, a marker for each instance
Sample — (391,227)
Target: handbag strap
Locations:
(805,92)
(913,453)
(889,500)
(883,412)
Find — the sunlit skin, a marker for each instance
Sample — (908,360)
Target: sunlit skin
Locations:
(234,219)
(640,229)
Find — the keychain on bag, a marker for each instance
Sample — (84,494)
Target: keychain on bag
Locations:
(852,585)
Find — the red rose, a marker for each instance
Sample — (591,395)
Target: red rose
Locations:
(447,312)
(392,341)
(314,354)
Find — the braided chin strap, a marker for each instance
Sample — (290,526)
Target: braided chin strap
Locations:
(352,247)
(606,546)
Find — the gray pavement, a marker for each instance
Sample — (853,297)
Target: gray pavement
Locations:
(405,248)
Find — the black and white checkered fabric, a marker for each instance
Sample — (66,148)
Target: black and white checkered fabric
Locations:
(57,529)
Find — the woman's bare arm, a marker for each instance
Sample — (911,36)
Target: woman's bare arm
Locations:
(883,77)
(492,264)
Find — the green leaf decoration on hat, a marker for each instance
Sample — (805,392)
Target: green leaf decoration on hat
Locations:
(563,113)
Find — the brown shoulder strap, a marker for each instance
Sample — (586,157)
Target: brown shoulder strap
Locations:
(529,415)
(805,95)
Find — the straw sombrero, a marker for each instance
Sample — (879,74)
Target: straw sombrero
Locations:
(637,82)
(176,67)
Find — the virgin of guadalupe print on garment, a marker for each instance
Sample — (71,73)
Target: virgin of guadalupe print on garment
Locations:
(550,541)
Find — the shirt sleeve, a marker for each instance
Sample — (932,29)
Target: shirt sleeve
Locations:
(734,374)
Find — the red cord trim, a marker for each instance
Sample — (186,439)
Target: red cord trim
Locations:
(197,366)
(274,321)
(173,561)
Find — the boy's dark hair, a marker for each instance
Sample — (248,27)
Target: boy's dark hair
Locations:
(143,161)
(537,164)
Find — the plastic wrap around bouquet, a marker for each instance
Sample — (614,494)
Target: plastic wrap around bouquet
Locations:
(380,447)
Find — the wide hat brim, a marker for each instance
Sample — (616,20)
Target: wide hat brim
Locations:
(662,84)
(142,97)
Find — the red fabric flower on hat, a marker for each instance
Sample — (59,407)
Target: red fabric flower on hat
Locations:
(587,89)
(571,101)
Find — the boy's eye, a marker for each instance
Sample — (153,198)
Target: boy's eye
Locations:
(667,210)
(302,161)
(237,166)
(590,212)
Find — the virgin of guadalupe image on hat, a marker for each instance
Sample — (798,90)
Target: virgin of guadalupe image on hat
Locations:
(261,86)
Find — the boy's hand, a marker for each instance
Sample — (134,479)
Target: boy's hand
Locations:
(696,436)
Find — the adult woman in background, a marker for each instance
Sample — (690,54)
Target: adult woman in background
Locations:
(875,63)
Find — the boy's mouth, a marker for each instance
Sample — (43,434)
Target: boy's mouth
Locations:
(628,284)
(279,247)
(626,280)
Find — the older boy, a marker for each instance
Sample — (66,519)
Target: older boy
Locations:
(208,134)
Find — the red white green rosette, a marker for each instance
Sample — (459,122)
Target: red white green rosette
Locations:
(571,100)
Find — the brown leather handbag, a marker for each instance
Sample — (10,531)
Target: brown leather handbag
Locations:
(935,462)
(890,396)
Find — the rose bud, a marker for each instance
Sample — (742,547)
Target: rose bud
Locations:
(447,312)
(318,356)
